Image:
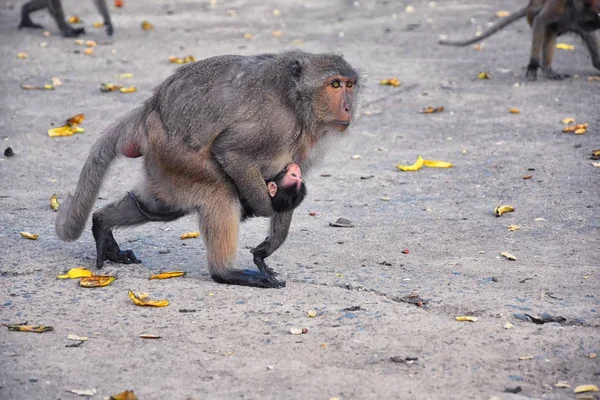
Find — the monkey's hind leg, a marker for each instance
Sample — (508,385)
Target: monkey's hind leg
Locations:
(27,9)
(220,226)
(66,30)
(131,210)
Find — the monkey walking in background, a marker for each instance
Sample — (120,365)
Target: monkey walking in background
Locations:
(209,136)
(548,20)
(55,8)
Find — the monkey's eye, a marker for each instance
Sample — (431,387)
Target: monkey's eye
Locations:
(336,84)
(349,84)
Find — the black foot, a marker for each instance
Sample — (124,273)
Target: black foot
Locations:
(531,74)
(551,74)
(109,29)
(72,32)
(262,266)
(108,249)
(27,23)
(248,277)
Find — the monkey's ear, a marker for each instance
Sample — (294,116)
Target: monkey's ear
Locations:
(296,69)
(272,186)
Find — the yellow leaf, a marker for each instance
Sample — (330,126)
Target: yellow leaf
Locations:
(437,164)
(129,89)
(565,46)
(395,82)
(96,281)
(21,56)
(29,328)
(415,167)
(65,130)
(465,318)
(502,14)
(513,228)
(147,26)
(508,256)
(514,111)
(483,75)
(568,120)
(75,273)
(142,300)
(167,275)
(498,211)
(189,235)
(586,388)
(31,236)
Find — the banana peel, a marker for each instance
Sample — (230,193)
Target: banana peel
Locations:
(415,167)
(189,235)
(96,281)
(76,273)
(498,211)
(167,275)
(126,395)
(30,236)
(141,299)
(65,130)
(586,388)
(437,164)
(466,318)
(29,328)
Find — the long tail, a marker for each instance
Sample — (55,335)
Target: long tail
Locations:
(75,209)
(500,25)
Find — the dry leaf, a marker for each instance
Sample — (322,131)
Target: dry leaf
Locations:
(502,14)
(498,211)
(514,227)
(431,110)
(523,358)
(437,164)
(75,120)
(395,82)
(311,313)
(141,299)
(149,336)
(31,236)
(508,256)
(167,275)
(415,167)
(565,46)
(189,235)
(465,318)
(96,281)
(29,328)
(586,388)
(78,338)
(527,176)
(147,26)
(483,75)
(568,120)
(514,111)
(75,273)
(573,128)
(126,395)
(21,56)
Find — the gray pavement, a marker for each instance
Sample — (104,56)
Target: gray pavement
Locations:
(237,343)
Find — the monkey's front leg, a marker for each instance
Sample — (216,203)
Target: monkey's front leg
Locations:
(278,231)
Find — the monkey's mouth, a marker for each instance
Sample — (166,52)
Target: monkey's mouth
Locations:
(341,125)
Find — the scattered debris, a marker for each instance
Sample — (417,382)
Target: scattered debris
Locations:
(126,395)
(30,236)
(96,281)
(298,331)
(75,273)
(147,26)
(562,384)
(353,308)
(395,82)
(311,313)
(29,328)
(565,46)
(86,392)
(141,299)
(466,318)
(586,388)
(149,336)
(513,390)
(513,228)
(483,75)
(403,360)
(8,152)
(342,223)
(508,256)
(54,204)
(187,310)
(514,111)
(432,110)
(189,235)
(182,60)
(167,275)
(498,211)
(71,336)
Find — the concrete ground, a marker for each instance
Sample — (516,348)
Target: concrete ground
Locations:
(237,344)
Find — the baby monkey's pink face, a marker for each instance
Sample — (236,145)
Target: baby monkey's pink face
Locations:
(292,178)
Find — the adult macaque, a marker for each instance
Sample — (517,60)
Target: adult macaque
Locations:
(548,20)
(209,136)
(55,8)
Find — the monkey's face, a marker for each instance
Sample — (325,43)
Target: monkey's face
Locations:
(335,102)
